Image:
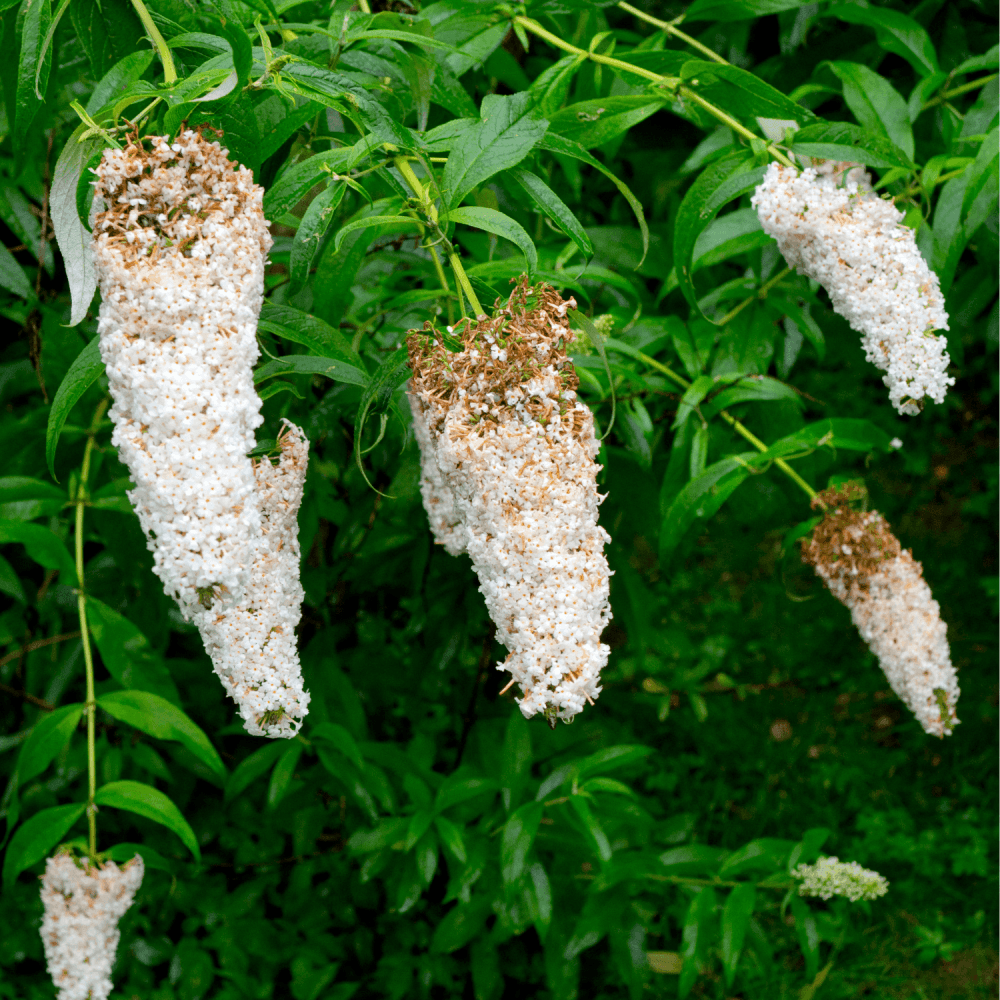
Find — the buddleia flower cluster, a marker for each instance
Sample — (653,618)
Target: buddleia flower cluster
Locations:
(180,244)
(508,476)
(83,903)
(830,877)
(865,567)
(831,226)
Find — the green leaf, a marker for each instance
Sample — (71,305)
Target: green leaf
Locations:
(51,733)
(163,721)
(393,221)
(123,74)
(460,925)
(693,859)
(300,178)
(748,94)
(738,10)
(32,64)
(340,739)
(701,498)
(692,397)
(283,773)
(695,937)
(547,201)
(567,147)
(896,32)
(451,837)
(504,136)
(144,800)
(71,234)
(807,933)
(10,583)
(752,389)
(765,854)
(456,790)
(305,364)
(127,654)
(249,770)
(388,377)
(594,122)
(36,837)
(312,231)
(736,916)
(42,544)
(14,488)
(722,180)
(82,374)
(840,432)
(597,835)
(12,277)
(875,103)
(983,170)
(499,224)
(518,836)
(124,852)
(303,328)
(843,141)
(516,757)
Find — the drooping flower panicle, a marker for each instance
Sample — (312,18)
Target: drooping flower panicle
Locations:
(830,877)
(507,456)
(180,248)
(831,226)
(83,903)
(252,643)
(865,567)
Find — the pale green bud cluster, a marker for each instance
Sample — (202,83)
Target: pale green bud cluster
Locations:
(830,877)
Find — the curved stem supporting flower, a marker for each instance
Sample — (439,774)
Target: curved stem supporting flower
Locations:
(88,656)
(162,49)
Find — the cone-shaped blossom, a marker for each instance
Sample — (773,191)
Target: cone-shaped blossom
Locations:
(252,642)
(179,248)
(508,475)
(830,877)
(865,567)
(83,903)
(831,226)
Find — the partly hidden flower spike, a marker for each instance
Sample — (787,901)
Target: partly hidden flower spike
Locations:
(831,226)
(830,877)
(83,903)
(865,567)
(508,476)
(252,642)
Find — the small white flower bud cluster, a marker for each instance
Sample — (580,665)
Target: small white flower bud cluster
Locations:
(180,249)
(831,226)
(83,903)
(865,567)
(507,454)
(252,643)
(830,877)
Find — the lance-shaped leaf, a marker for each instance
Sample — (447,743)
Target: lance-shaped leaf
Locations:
(492,221)
(594,122)
(249,770)
(163,721)
(547,201)
(750,96)
(303,328)
(518,836)
(844,141)
(738,10)
(875,102)
(388,377)
(82,374)
(11,276)
(896,32)
(400,221)
(144,800)
(505,134)
(312,232)
(305,364)
(51,733)
(295,183)
(736,916)
(37,836)
(283,773)
(696,935)
(42,544)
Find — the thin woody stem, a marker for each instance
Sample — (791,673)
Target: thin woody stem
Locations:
(673,83)
(761,293)
(88,656)
(744,432)
(946,95)
(670,28)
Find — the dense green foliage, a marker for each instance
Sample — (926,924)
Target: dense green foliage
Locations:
(420,839)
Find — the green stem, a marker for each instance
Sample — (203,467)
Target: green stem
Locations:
(733,422)
(88,656)
(163,50)
(463,280)
(947,95)
(671,82)
(670,29)
(761,293)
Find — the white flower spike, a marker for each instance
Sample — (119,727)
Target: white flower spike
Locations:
(83,903)
(507,454)
(864,566)
(831,226)
(830,877)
